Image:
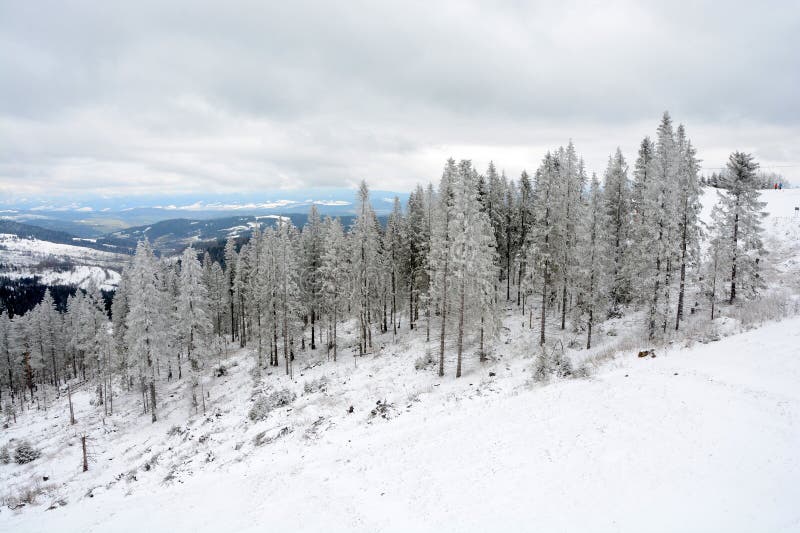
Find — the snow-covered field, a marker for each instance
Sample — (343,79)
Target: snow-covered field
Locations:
(697,439)
(21,257)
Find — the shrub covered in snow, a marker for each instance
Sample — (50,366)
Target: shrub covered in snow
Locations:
(26,453)
(174,430)
(281,398)
(423,362)
(260,409)
(5,457)
(318,385)
(262,404)
(553,363)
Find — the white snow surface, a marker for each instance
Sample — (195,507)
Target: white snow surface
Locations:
(20,257)
(704,438)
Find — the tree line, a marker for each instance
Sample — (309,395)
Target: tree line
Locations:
(559,247)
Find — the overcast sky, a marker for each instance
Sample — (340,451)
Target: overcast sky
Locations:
(170,96)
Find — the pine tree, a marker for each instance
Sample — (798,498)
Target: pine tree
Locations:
(366,266)
(740,224)
(543,251)
(525,221)
(471,249)
(146,330)
(439,255)
(194,323)
(230,279)
(617,214)
(688,213)
(6,365)
(396,258)
(417,241)
(312,249)
(593,259)
(573,179)
(335,272)
(658,225)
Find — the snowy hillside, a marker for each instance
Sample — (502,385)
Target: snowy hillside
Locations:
(56,263)
(700,434)
(696,439)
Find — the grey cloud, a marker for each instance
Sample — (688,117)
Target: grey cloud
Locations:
(129,96)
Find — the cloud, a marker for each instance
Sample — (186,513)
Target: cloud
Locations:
(142,98)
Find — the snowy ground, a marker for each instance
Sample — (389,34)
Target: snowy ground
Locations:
(21,257)
(704,437)
(697,439)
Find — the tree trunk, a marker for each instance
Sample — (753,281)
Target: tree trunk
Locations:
(153,398)
(679,314)
(85,458)
(461,324)
(544,307)
(71,409)
(444,321)
(735,253)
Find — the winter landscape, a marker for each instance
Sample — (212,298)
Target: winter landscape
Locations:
(393,325)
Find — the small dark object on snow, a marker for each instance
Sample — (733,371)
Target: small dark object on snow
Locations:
(492,374)
(645,353)
(45,478)
(676,374)
(220,371)
(626,375)
(351,410)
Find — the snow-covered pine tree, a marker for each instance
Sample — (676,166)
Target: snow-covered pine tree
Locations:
(439,255)
(146,332)
(288,290)
(714,265)
(596,265)
(644,171)
(573,180)
(194,323)
(740,224)
(6,365)
(472,259)
(312,248)
(396,258)
(525,222)
(214,279)
(616,198)
(366,266)
(336,275)
(546,235)
(495,206)
(231,257)
(688,209)
(95,320)
(656,246)
(119,312)
(49,330)
(417,243)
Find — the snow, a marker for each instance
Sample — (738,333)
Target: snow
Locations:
(81,276)
(696,439)
(703,437)
(21,251)
(22,257)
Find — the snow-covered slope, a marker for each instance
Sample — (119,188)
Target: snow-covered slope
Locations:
(696,439)
(56,263)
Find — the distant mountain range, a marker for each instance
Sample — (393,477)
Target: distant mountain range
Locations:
(101,217)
